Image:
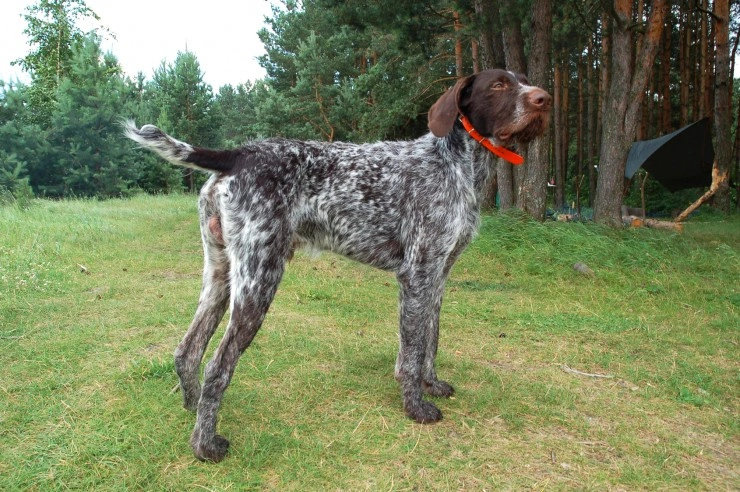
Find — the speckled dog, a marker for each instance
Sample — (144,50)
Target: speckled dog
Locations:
(410,207)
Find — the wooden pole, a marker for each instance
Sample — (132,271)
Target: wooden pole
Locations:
(718,177)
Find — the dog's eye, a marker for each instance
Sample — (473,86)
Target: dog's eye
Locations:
(498,85)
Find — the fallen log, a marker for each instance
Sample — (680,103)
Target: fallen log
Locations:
(634,221)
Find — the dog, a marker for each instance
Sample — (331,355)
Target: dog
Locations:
(410,207)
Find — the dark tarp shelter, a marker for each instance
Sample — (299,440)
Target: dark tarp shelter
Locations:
(679,160)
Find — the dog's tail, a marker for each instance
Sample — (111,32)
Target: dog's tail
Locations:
(177,152)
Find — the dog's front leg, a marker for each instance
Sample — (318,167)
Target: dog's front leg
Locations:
(417,292)
(430,383)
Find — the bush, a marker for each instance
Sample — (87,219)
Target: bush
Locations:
(21,195)
(14,189)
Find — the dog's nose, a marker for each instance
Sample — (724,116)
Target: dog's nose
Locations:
(539,98)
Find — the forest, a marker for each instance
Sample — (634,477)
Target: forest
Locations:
(351,70)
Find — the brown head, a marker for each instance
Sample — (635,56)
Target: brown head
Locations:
(502,106)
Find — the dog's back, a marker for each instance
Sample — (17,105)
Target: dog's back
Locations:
(358,200)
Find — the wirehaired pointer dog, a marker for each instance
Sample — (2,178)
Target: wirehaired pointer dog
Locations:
(410,207)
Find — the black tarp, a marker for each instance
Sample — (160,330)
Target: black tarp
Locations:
(679,160)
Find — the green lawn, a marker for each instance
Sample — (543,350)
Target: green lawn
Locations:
(94,297)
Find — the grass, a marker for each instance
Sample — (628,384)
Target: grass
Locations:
(94,296)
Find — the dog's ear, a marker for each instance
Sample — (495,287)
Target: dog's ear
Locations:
(443,113)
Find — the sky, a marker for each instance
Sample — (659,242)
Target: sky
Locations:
(143,33)
(221,33)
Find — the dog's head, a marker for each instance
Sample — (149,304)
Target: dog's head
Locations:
(502,106)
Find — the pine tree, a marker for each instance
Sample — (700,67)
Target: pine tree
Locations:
(349,70)
(89,157)
(14,184)
(237,106)
(20,137)
(183,105)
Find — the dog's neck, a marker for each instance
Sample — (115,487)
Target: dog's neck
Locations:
(463,149)
(496,150)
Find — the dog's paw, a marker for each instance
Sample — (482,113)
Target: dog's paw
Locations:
(214,449)
(438,388)
(424,412)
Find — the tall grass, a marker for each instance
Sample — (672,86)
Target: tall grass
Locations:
(623,379)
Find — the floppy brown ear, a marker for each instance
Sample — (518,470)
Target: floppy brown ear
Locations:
(443,113)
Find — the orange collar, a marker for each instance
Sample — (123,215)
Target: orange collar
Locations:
(502,152)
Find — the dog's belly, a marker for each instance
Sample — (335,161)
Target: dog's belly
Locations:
(377,247)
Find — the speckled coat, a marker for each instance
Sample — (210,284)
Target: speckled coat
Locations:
(410,207)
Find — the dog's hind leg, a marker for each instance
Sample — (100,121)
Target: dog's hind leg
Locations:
(214,297)
(257,258)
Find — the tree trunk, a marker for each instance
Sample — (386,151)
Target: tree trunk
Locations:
(510,176)
(504,181)
(704,62)
(605,70)
(533,198)
(458,45)
(736,156)
(666,123)
(591,129)
(562,179)
(644,119)
(579,133)
(559,132)
(733,54)
(475,55)
(512,36)
(626,93)
(491,47)
(722,114)
(491,56)
(684,69)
